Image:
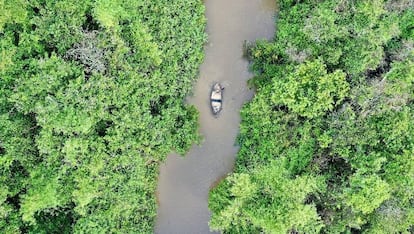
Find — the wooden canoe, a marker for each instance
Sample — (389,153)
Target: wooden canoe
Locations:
(216,98)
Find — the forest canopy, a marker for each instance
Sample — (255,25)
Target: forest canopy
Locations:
(327,143)
(91,101)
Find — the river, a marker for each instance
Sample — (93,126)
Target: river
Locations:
(184,182)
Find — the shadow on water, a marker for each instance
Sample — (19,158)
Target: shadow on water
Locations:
(184,182)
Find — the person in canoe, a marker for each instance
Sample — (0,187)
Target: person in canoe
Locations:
(216,98)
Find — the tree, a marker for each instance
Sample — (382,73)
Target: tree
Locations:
(265,201)
(12,12)
(310,91)
(366,193)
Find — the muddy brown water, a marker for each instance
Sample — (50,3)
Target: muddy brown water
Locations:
(184,182)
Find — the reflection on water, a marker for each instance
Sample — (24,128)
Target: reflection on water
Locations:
(184,182)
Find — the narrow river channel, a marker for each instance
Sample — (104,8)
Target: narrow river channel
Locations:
(184,182)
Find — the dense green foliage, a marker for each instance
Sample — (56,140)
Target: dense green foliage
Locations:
(327,144)
(91,100)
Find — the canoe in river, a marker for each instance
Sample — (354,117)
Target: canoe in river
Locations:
(216,98)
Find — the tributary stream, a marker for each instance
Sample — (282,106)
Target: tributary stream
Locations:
(184,182)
